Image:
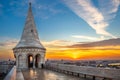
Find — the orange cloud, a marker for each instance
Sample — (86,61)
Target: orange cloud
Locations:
(6,49)
(84,54)
(6,54)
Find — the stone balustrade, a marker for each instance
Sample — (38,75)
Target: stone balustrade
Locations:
(105,73)
(12,74)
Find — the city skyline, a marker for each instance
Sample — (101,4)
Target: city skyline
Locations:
(62,25)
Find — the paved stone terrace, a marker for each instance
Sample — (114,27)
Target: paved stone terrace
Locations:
(43,74)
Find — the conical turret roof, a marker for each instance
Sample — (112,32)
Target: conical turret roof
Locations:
(29,36)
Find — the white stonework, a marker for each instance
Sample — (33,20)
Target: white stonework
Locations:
(29,46)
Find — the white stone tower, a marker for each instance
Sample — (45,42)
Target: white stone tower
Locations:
(29,52)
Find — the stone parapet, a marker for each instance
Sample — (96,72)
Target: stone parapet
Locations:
(111,74)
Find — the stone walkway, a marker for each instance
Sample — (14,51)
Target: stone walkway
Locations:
(40,74)
(19,75)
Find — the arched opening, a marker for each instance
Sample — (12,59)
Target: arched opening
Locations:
(30,61)
(37,60)
(42,66)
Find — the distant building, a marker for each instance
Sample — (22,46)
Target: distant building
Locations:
(29,52)
(5,66)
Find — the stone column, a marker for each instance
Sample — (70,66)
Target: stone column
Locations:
(33,62)
(17,61)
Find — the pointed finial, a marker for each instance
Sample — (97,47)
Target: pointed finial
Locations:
(29,3)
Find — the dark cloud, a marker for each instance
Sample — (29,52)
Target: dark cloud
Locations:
(104,43)
(2,44)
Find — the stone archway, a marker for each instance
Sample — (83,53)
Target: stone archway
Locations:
(37,60)
(30,61)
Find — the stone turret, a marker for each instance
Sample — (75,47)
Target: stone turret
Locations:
(29,52)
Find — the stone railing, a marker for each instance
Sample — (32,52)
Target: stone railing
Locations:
(105,74)
(11,75)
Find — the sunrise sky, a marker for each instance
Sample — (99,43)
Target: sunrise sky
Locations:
(69,29)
